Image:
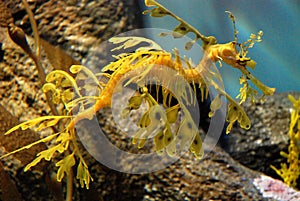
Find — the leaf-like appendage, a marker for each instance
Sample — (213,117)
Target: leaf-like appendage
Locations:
(46,154)
(244,120)
(34,122)
(128,42)
(186,132)
(157,12)
(196,147)
(144,120)
(33,163)
(190,44)
(168,136)
(135,102)
(265,89)
(49,87)
(215,105)
(46,139)
(150,3)
(62,79)
(246,91)
(164,139)
(172,113)
(89,74)
(236,113)
(67,95)
(181,30)
(156,121)
(47,124)
(83,175)
(159,142)
(63,137)
(55,92)
(65,166)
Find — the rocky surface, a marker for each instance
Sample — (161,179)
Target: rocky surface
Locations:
(216,177)
(78,25)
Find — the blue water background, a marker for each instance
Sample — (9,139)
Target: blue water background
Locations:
(277,57)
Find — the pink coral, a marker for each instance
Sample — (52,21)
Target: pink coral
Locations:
(276,189)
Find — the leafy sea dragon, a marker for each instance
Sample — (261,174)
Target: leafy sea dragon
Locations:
(134,68)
